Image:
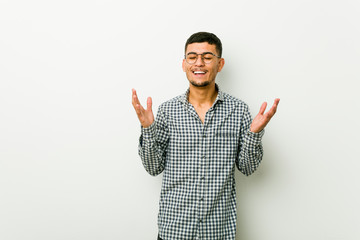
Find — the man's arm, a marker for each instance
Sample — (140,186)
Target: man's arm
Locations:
(153,139)
(251,150)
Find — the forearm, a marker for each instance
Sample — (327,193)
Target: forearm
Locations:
(251,153)
(151,151)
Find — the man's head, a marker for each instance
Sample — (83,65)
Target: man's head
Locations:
(202,59)
(210,38)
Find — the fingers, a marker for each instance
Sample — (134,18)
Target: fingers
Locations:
(262,108)
(135,99)
(261,120)
(273,109)
(137,106)
(276,101)
(146,117)
(274,106)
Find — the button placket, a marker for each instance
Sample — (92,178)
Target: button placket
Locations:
(202,175)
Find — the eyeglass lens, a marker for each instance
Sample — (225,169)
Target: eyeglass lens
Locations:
(192,57)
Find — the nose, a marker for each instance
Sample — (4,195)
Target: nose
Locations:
(199,62)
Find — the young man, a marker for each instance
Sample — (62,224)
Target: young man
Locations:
(197,140)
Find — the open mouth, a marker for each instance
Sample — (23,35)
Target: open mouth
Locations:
(199,73)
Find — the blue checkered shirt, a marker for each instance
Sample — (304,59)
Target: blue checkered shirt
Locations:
(198,199)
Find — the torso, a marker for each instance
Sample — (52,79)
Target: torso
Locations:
(201,111)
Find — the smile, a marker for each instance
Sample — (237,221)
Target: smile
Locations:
(199,72)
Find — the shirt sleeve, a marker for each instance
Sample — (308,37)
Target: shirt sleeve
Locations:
(153,144)
(250,147)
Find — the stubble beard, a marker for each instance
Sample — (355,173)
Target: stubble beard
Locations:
(202,84)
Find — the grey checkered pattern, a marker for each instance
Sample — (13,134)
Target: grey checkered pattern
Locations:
(198,199)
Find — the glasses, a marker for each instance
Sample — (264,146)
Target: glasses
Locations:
(206,57)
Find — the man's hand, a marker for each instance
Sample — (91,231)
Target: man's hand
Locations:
(261,119)
(146,117)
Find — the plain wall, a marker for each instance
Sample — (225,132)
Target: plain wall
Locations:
(69,167)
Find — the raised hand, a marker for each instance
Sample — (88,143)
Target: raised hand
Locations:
(262,119)
(146,117)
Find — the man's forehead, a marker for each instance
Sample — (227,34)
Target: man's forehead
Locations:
(201,47)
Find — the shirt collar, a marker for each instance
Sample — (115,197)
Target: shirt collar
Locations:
(219,97)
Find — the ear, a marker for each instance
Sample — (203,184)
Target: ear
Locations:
(183,65)
(221,64)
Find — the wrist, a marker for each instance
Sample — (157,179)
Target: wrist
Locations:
(148,125)
(255,130)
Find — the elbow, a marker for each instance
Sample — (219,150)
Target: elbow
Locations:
(249,163)
(247,171)
(154,172)
(248,168)
(154,168)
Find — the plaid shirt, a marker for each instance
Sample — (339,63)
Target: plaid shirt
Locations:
(198,199)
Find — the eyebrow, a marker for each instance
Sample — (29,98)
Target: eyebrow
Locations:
(200,53)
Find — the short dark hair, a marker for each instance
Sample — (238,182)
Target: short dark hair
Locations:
(205,37)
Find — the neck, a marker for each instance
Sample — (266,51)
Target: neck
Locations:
(200,96)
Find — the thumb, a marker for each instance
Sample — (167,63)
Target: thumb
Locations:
(149,104)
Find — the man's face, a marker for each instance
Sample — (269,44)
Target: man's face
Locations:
(200,74)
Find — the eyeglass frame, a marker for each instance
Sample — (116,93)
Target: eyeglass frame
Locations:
(202,56)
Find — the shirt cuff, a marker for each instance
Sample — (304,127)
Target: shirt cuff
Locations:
(255,137)
(149,132)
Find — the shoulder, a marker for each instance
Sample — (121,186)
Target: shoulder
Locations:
(231,100)
(171,104)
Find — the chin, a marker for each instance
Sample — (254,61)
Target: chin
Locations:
(200,84)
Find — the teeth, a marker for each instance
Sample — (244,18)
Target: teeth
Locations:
(196,72)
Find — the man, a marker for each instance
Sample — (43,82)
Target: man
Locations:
(197,140)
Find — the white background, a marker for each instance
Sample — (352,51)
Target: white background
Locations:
(69,167)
